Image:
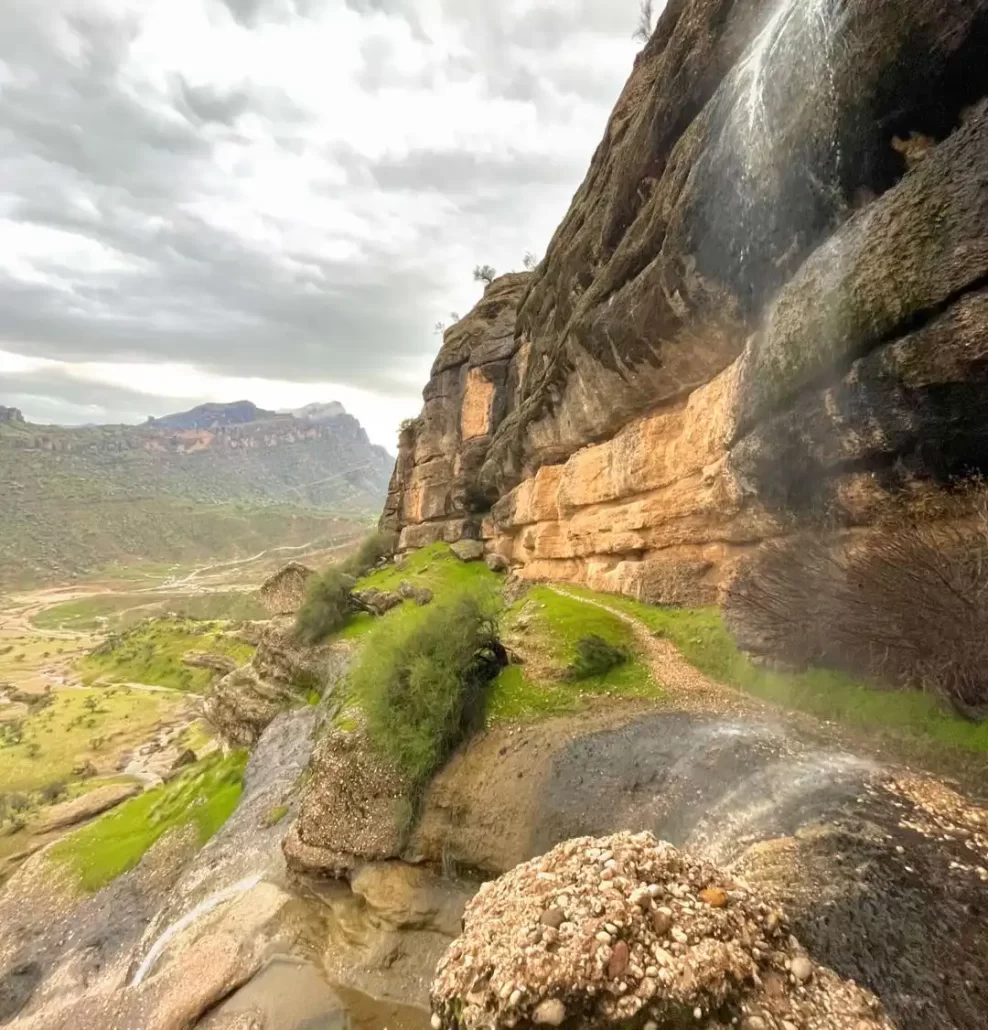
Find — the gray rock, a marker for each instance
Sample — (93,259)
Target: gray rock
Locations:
(497,563)
(468,550)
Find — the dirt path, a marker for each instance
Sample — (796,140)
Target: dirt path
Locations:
(690,689)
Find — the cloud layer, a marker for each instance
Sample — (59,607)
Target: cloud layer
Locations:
(282,193)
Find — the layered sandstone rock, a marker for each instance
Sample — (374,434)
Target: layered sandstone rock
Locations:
(767,305)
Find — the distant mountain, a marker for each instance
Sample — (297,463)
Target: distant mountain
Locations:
(71,497)
(213,416)
(319,412)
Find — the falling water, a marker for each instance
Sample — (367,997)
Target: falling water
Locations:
(762,803)
(795,49)
(204,907)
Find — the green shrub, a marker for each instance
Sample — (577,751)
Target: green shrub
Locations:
(594,657)
(369,552)
(326,607)
(422,682)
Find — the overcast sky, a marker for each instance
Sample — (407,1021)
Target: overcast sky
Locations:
(276,199)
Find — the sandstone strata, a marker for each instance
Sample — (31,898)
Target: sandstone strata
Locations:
(766,306)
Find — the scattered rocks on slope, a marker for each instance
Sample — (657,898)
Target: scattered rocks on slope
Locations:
(221,664)
(497,562)
(420,595)
(376,602)
(356,808)
(645,933)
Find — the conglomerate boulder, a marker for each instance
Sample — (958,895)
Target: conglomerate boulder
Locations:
(602,932)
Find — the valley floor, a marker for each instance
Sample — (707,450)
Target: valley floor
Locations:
(856,809)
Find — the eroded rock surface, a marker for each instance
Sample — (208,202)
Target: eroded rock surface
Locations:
(766,304)
(281,674)
(601,931)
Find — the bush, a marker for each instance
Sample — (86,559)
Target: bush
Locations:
(594,657)
(421,682)
(326,607)
(369,552)
(907,607)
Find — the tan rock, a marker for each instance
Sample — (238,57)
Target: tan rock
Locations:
(88,806)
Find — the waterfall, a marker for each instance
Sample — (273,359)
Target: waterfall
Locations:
(794,49)
(204,907)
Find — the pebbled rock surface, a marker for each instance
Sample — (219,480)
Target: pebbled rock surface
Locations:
(356,808)
(605,930)
(765,306)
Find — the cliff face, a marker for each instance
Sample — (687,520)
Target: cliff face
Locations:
(768,305)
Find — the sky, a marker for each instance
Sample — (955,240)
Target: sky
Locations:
(276,200)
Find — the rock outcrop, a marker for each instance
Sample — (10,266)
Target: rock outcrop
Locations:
(767,306)
(284,592)
(357,808)
(603,931)
(281,674)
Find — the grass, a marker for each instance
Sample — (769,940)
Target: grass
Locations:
(79,725)
(704,641)
(204,797)
(118,611)
(556,626)
(152,653)
(435,567)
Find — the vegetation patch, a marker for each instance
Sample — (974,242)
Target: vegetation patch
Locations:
(704,641)
(326,607)
(152,653)
(371,549)
(552,631)
(434,567)
(78,726)
(421,681)
(204,797)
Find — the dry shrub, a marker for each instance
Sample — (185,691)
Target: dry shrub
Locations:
(907,607)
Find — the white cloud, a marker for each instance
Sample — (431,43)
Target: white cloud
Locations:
(276,199)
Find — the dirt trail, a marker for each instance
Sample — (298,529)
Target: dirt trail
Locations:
(691,690)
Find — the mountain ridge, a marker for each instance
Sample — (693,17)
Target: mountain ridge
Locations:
(71,493)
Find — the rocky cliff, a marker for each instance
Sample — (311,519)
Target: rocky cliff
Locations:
(766,307)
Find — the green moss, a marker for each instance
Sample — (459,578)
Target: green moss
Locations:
(434,567)
(152,653)
(274,815)
(703,639)
(204,797)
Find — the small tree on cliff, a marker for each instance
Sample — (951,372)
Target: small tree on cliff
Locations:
(645,19)
(530,261)
(484,274)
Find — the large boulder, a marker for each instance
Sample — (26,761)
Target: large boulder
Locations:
(357,808)
(284,592)
(603,931)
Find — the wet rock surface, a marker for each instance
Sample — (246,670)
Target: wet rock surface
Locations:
(830,837)
(765,306)
(647,933)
